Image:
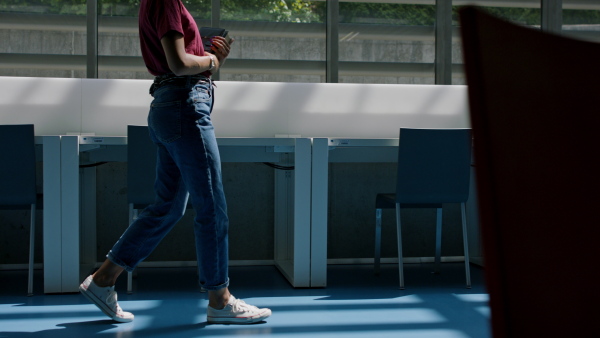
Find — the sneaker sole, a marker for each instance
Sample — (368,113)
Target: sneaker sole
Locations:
(238,320)
(96,301)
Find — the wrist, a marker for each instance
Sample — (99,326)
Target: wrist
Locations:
(212,63)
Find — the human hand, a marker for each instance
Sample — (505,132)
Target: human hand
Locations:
(220,47)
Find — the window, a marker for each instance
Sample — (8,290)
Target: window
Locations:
(377,41)
(524,12)
(383,42)
(119,54)
(275,40)
(581,19)
(43,38)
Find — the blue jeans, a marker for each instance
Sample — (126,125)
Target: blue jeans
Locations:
(188,166)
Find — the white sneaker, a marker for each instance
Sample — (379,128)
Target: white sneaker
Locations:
(237,312)
(105,299)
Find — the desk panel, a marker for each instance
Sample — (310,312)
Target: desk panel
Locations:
(52,230)
(63,224)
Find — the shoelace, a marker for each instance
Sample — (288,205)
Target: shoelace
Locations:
(111,300)
(241,306)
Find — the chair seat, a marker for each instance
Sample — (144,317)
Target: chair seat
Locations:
(385,201)
(388,201)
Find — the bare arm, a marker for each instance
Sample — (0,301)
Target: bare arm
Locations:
(182,63)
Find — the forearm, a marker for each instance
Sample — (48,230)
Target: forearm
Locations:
(182,63)
(190,64)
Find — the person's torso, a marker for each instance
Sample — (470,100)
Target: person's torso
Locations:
(156,18)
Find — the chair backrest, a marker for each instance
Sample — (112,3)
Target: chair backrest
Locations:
(534,100)
(17,165)
(433,166)
(141,166)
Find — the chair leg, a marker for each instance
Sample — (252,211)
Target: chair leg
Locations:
(438,240)
(31,251)
(377,240)
(463,211)
(400,258)
(132,216)
(129,283)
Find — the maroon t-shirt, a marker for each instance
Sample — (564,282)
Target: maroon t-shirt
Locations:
(156,18)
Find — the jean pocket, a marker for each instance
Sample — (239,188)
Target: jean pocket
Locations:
(165,120)
(200,95)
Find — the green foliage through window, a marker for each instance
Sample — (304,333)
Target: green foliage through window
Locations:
(390,14)
(523,16)
(299,11)
(581,17)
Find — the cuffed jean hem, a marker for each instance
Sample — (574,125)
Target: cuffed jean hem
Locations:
(119,262)
(215,288)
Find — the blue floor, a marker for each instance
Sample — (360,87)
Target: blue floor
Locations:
(166,303)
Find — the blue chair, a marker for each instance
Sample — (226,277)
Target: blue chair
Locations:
(141,169)
(141,174)
(17,178)
(433,168)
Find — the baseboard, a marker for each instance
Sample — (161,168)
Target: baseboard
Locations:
(7,267)
(180,264)
(331,261)
(407,260)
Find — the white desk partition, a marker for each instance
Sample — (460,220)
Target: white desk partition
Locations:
(378,110)
(336,110)
(105,107)
(53,105)
(109,106)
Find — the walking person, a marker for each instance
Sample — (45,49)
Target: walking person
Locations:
(188,165)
